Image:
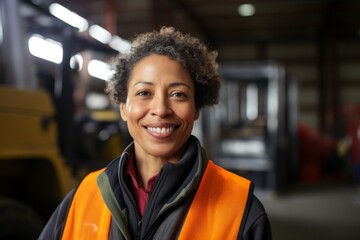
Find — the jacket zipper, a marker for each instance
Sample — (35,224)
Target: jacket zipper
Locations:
(150,204)
(154,226)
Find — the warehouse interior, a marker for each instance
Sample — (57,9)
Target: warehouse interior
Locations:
(288,117)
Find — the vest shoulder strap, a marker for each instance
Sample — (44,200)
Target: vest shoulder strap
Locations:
(218,206)
(88,217)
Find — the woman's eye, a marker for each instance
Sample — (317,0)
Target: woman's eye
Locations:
(143,93)
(178,95)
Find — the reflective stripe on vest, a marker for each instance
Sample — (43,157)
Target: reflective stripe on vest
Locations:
(215,213)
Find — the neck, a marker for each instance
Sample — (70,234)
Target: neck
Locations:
(147,168)
(148,165)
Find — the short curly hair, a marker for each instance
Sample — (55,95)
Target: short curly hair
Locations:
(190,52)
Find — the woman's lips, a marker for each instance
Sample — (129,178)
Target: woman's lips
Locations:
(161,131)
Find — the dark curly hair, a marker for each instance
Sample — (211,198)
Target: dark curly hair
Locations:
(186,50)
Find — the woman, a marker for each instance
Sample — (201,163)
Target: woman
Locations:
(162,186)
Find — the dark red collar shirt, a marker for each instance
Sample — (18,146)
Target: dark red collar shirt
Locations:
(140,194)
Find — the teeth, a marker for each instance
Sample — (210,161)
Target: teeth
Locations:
(161,130)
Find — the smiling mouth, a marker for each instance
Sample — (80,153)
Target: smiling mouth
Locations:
(161,130)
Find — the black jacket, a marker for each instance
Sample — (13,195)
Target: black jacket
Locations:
(168,203)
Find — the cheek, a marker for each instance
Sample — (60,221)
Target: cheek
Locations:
(135,110)
(187,114)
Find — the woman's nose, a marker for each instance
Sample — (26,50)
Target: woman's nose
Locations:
(160,106)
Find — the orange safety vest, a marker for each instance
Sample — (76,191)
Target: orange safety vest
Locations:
(216,211)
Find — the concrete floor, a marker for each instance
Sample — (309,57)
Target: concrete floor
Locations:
(329,211)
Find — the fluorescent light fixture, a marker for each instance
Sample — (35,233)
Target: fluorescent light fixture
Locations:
(69,17)
(246,10)
(100,34)
(76,62)
(100,70)
(47,49)
(120,45)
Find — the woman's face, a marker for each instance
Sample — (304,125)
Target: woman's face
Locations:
(160,107)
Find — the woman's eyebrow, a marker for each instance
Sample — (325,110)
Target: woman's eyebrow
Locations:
(143,83)
(175,84)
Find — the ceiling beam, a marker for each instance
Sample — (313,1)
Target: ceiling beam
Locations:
(197,20)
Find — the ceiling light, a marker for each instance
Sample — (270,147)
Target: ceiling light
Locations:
(100,70)
(120,45)
(68,16)
(246,10)
(100,34)
(76,62)
(47,49)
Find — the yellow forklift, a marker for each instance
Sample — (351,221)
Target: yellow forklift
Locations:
(46,146)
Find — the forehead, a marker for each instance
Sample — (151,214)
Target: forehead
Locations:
(159,67)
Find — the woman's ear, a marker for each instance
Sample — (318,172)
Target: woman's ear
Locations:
(197,114)
(123,112)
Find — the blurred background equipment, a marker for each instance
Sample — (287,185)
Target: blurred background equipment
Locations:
(56,123)
(253,130)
